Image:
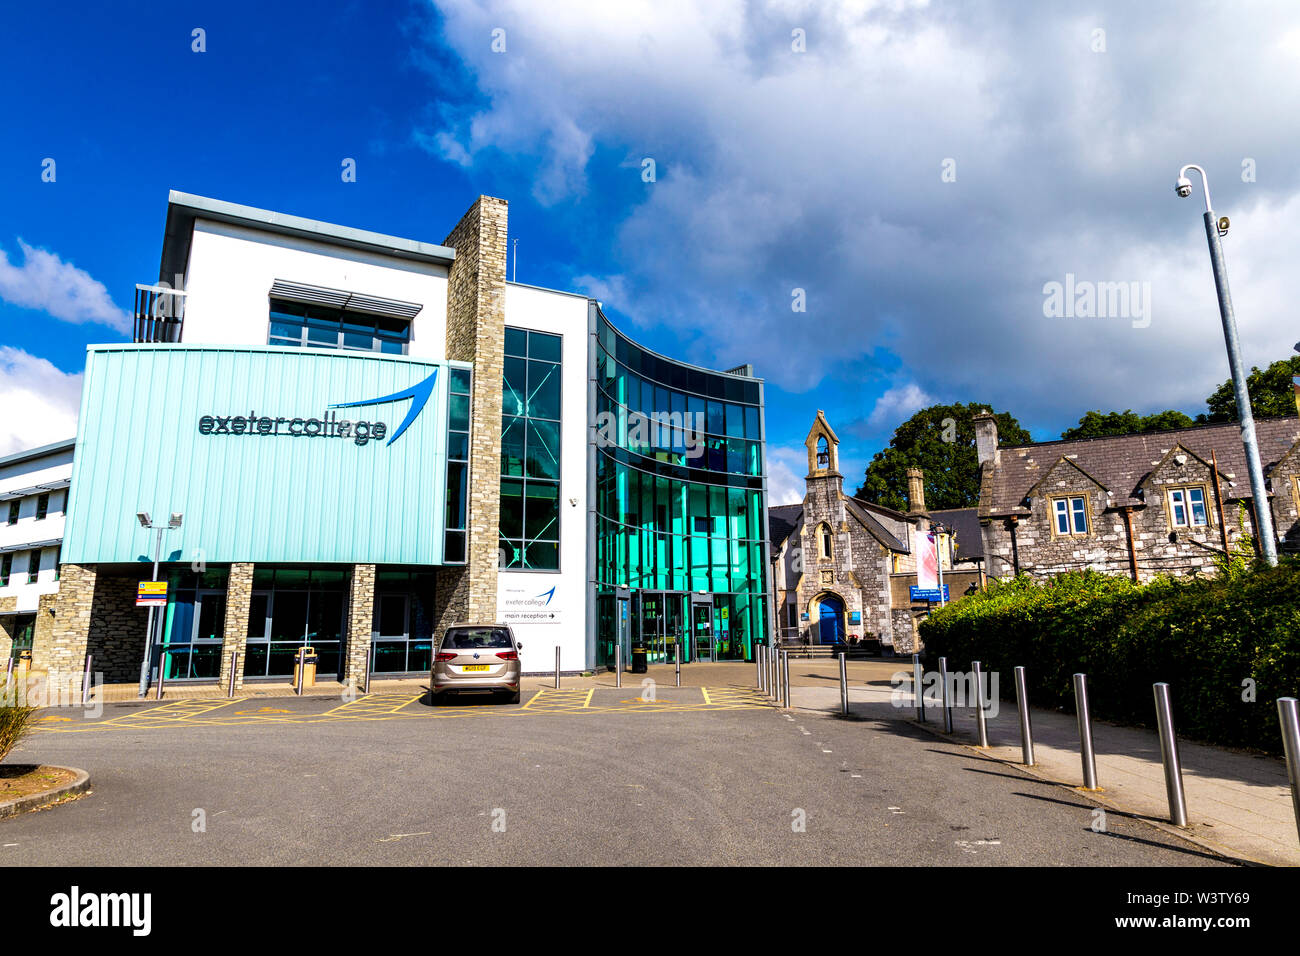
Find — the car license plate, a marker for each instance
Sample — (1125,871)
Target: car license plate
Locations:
(475,667)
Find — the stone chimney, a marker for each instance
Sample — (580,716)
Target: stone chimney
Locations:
(915,491)
(986,437)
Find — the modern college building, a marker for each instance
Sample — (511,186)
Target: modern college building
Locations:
(345,440)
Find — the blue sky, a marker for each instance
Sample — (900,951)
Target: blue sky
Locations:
(777,169)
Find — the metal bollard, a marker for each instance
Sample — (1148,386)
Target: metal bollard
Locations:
(945,695)
(844,684)
(1169,756)
(918,693)
(1289,718)
(370,666)
(758,654)
(677,660)
(302,671)
(557,668)
(618,665)
(234,666)
(162,675)
(785,677)
(981,724)
(1026,732)
(9,670)
(1086,752)
(85,681)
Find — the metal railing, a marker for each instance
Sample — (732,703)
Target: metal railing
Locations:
(159,314)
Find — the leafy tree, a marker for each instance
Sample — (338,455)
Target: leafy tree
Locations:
(940,440)
(1096,424)
(1271,394)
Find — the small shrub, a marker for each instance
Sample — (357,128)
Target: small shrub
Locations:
(16,720)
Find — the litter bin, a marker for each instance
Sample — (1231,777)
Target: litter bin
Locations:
(639,653)
(24,660)
(309,661)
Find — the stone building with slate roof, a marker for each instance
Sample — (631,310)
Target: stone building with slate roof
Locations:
(1141,505)
(842,567)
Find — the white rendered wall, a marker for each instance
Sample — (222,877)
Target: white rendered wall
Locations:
(26,474)
(562,314)
(231,269)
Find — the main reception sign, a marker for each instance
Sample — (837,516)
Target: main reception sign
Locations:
(220,433)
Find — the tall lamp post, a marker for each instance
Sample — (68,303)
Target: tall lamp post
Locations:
(1214,228)
(173,523)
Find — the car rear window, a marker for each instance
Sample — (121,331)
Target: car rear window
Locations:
(473,638)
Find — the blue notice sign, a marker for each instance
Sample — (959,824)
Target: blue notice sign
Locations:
(928,594)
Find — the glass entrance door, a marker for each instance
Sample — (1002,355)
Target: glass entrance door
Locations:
(674,627)
(652,626)
(701,630)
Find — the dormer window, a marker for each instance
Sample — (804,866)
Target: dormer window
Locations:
(1187,507)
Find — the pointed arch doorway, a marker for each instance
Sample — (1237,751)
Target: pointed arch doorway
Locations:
(830,619)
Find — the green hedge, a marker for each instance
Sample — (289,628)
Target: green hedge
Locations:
(1203,637)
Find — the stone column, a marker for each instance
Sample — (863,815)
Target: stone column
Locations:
(476,287)
(234,631)
(6,635)
(64,654)
(360,624)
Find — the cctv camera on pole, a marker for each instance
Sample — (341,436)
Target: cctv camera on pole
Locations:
(1214,230)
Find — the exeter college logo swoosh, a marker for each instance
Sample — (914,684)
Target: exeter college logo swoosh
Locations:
(418,393)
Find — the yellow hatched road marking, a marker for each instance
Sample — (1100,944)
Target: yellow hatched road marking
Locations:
(374,704)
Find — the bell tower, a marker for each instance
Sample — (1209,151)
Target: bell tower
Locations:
(823,449)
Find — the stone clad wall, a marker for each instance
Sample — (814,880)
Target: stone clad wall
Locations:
(360,624)
(65,654)
(234,631)
(476,333)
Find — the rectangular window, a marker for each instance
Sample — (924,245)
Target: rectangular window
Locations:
(42,506)
(13,511)
(529,530)
(1187,508)
(6,565)
(453,551)
(1070,515)
(33,567)
(300,325)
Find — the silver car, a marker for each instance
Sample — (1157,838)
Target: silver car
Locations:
(476,658)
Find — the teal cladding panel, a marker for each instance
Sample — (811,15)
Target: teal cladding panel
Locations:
(255,497)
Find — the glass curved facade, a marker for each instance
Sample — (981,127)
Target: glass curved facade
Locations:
(680,506)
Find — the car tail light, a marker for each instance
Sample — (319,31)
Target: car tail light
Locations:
(508,655)
(446,656)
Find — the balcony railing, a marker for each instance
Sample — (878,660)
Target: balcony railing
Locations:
(159,314)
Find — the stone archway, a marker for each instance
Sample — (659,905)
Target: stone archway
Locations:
(827,609)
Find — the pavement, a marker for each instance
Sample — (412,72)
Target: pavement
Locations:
(696,775)
(1238,803)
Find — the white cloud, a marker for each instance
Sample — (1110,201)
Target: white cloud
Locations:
(41,402)
(822,171)
(897,405)
(785,470)
(46,282)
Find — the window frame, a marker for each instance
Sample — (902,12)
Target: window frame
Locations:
(1186,491)
(321,314)
(1070,514)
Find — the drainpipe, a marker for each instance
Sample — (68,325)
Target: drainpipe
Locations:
(1012,521)
(1218,500)
(1132,552)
